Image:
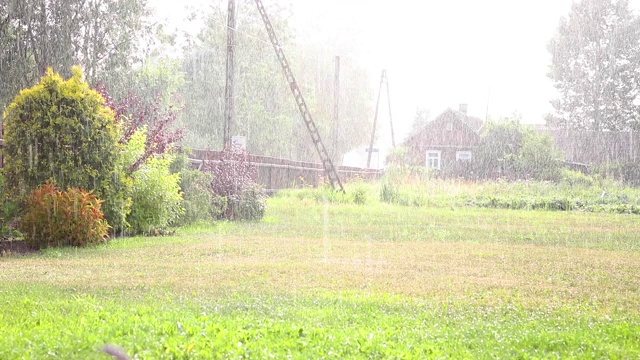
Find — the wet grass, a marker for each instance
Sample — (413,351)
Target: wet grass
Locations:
(64,324)
(321,280)
(587,195)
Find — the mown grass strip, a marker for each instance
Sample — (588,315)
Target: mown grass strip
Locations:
(50,323)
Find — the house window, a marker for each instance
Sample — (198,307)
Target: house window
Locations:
(463,155)
(433,159)
(449,126)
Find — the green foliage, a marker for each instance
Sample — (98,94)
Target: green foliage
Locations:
(9,212)
(200,204)
(393,194)
(575,192)
(38,34)
(156,197)
(397,156)
(234,184)
(321,195)
(63,218)
(356,192)
(576,179)
(538,159)
(389,193)
(153,199)
(247,204)
(500,142)
(595,56)
(264,94)
(59,131)
(626,173)
(507,149)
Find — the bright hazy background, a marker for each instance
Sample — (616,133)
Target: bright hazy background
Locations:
(490,54)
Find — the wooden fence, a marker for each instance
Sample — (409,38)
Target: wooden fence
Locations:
(597,148)
(276,173)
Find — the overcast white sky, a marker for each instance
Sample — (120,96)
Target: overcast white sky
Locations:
(489,53)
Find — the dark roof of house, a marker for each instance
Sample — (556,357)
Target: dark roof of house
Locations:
(474,123)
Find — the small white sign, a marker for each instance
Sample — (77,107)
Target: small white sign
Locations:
(239,143)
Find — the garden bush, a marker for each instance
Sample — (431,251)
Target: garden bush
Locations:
(153,200)
(248,204)
(576,179)
(63,218)
(626,173)
(389,193)
(135,112)
(60,131)
(508,149)
(200,204)
(156,197)
(199,201)
(8,213)
(234,181)
(393,194)
(359,194)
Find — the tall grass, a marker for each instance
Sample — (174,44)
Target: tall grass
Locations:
(411,187)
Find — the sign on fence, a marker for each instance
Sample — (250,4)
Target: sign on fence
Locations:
(239,143)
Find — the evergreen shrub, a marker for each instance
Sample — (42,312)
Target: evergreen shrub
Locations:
(60,131)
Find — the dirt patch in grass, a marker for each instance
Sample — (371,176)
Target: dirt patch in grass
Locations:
(15,247)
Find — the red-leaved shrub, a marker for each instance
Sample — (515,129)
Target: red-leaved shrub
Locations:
(234,180)
(63,218)
(133,111)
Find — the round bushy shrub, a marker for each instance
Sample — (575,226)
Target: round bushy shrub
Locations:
(247,204)
(234,181)
(199,201)
(63,218)
(60,131)
(156,197)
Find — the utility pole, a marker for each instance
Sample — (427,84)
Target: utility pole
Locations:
(393,138)
(375,119)
(229,88)
(336,108)
(486,114)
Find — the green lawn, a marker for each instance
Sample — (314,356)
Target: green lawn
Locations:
(318,281)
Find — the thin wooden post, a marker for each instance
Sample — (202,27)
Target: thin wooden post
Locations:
(229,88)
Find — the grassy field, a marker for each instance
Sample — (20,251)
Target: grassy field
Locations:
(316,280)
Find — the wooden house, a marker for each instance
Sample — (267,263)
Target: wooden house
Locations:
(449,140)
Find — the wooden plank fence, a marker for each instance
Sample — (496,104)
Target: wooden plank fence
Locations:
(276,173)
(597,147)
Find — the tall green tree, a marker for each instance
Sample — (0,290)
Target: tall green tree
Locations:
(266,112)
(420,120)
(257,91)
(595,67)
(102,36)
